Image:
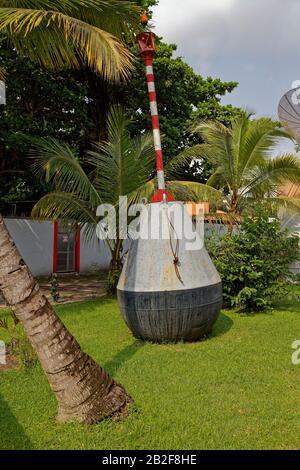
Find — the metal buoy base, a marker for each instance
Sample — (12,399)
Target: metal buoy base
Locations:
(185,315)
(169,289)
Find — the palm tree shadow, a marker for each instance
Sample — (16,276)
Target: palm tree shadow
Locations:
(222,326)
(122,356)
(12,434)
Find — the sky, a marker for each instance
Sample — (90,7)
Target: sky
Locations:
(253,42)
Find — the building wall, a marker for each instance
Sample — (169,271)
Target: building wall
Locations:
(93,256)
(34,241)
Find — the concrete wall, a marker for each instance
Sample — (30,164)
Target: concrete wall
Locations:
(93,256)
(34,241)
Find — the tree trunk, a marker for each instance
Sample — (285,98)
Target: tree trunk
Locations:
(115,268)
(233,204)
(84,391)
(234,214)
(116,262)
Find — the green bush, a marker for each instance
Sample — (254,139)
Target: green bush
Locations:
(253,263)
(25,352)
(112,282)
(18,345)
(54,288)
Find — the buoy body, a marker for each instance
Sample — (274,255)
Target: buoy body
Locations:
(163,298)
(169,289)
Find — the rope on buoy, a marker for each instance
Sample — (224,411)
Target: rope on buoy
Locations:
(175,251)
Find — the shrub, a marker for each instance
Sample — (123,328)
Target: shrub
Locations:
(253,263)
(18,345)
(54,288)
(112,282)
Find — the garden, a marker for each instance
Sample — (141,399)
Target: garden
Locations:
(153,344)
(236,390)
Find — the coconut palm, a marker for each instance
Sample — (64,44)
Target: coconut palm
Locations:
(84,391)
(244,169)
(64,33)
(120,166)
(58,34)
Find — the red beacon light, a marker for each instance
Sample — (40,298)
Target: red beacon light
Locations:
(147,44)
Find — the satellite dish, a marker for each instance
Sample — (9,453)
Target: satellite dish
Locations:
(289,113)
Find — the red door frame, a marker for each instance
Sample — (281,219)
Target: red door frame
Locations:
(55,241)
(77,248)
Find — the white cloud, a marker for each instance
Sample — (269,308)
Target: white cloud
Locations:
(248,26)
(252,41)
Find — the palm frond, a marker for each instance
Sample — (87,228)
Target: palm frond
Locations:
(64,206)
(122,164)
(242,162)
(216,180)
(219,140)
(144,148)
(262,137)
(210,130)
(291,204)
(272,174)
(58,164)
(278,205)
(68,208)
(146,191)
(177,164)
(197,192)
(217,136)
(54,38)
(120,18)
(239,126)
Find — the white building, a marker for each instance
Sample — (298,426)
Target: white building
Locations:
(49,247)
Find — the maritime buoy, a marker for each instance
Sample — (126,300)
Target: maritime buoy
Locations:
(169,289)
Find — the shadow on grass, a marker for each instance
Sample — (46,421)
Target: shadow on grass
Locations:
(222,326)
(122,356)
(12,434)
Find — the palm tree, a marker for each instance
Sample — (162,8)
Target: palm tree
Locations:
(244,170)
(84,391)
(58,34)
(63,33)
(120,166)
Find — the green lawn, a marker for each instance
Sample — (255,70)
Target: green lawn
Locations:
(237,390)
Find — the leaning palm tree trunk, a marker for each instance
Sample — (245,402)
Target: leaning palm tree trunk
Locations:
(84,391)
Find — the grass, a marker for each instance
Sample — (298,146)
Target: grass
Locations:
(237,390)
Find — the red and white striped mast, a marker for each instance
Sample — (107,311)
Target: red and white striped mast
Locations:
(147,50)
